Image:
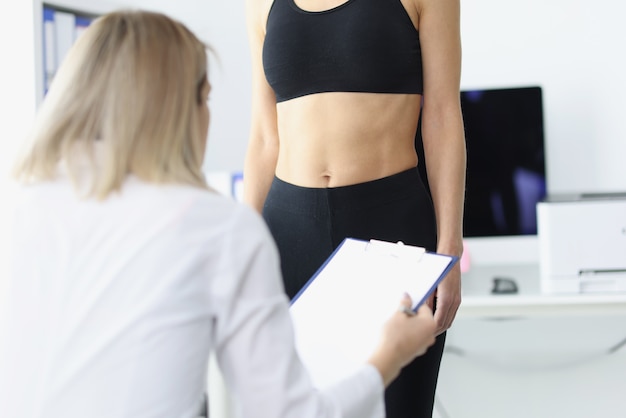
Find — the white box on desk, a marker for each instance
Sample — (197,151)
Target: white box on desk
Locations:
(582,243)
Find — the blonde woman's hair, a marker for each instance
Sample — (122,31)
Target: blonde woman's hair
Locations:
(130,86)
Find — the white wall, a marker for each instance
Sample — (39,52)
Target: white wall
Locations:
(574,50)
(220,23)
(17,101)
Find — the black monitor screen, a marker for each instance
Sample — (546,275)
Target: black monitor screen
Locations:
(506,173)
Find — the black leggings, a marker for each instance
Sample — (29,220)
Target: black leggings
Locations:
(309,223)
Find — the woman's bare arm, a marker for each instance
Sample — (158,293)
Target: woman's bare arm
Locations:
(444,139)
(262,152)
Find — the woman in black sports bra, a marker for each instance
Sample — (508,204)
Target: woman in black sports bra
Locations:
(338,89)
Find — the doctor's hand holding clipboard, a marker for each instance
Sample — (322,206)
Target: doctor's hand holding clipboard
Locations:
(420,326)
(340,315)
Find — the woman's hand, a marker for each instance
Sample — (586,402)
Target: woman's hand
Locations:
(404,337)
(448,298)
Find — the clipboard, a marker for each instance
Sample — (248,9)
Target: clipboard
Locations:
(339,314)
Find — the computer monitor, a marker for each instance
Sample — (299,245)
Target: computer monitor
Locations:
(506,169)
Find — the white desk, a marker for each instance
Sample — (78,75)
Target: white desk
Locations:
(478,301)
(531,354)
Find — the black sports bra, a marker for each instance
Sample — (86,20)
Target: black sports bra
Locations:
(360,46)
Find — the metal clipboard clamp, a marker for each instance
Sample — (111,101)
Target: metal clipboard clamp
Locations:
(398,250)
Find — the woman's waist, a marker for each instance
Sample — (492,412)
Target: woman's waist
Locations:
(339,172)
(332,162)
(313,200)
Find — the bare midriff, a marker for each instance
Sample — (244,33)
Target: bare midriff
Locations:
(338,139)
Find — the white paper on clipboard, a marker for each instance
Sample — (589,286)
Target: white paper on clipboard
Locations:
(339,314)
